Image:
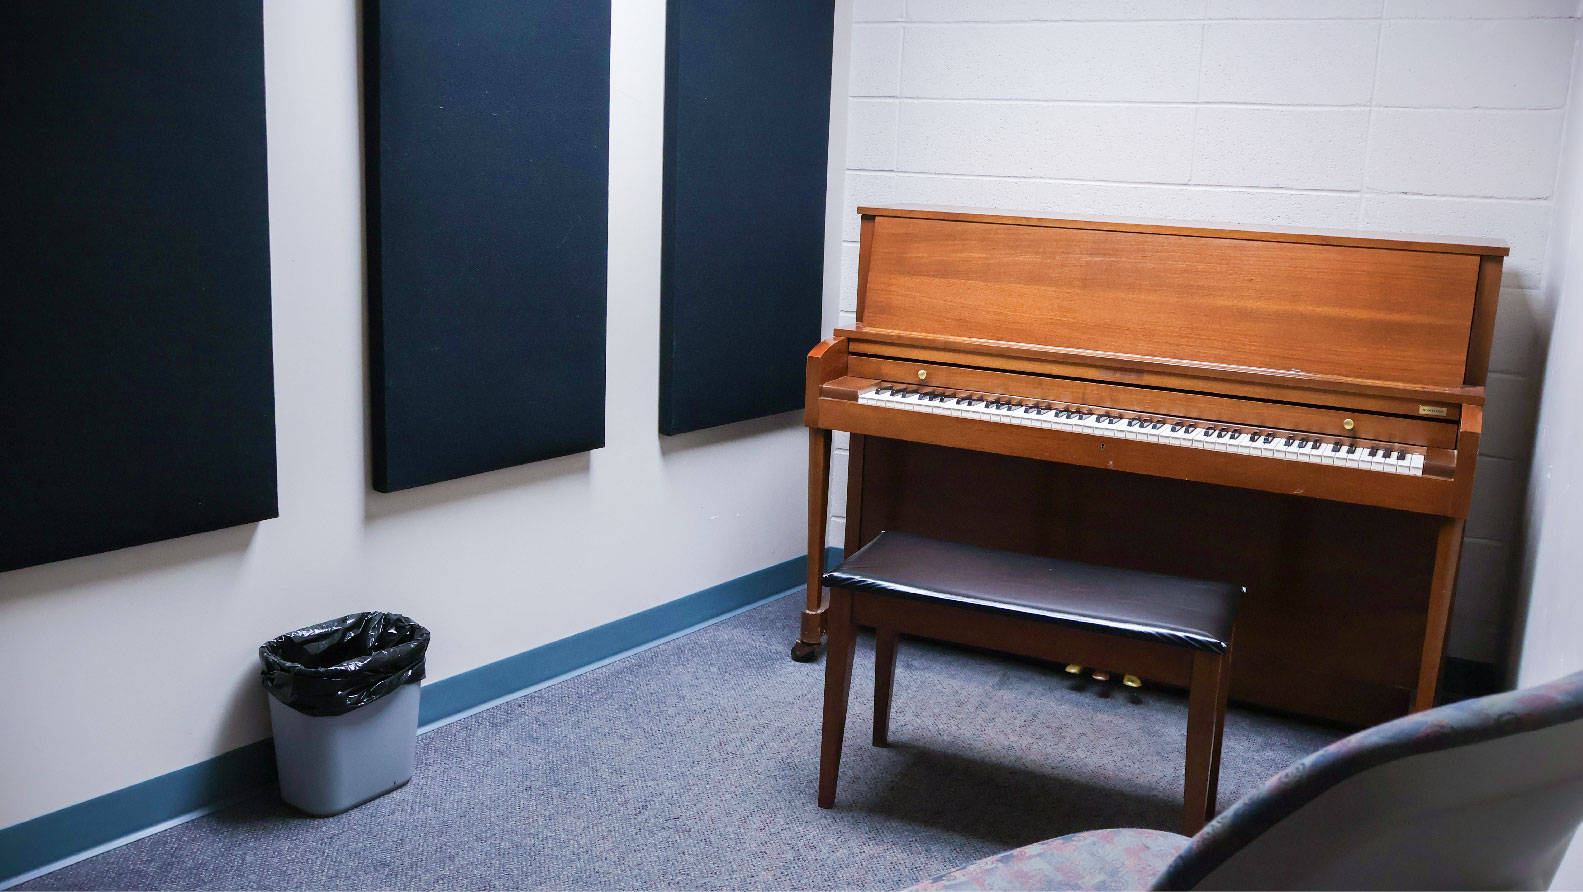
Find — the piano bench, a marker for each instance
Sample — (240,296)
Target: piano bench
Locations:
(1166,628)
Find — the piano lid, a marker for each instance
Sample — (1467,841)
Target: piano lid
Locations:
(1332,304)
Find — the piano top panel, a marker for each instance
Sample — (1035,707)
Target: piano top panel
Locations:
(1290,303)
(1356,238)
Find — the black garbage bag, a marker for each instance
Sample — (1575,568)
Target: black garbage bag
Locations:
(338,665)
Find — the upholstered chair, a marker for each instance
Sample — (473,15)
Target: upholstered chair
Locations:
(1482,794)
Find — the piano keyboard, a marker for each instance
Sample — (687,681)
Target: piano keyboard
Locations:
(1105,422)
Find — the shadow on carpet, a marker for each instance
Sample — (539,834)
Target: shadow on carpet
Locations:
(692,765)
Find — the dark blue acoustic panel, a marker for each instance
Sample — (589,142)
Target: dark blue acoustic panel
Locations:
(136,379)
(747,124)
(488,171)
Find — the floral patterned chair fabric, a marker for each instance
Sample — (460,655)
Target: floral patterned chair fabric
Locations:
(1485,793)
(1098,859)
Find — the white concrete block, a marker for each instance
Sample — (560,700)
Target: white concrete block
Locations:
(1481,9)
(1186,203)
(1299,63)
(1522,224)
(1498,154)
(1051,10)
(863,189)
(1483,581)
(840,440)
(1274,209)
(849,258)
(1291,148)
(1511,403)
(835,533)
(1098,142)
(878,10)
(1155,62)
(871,134)
(838,466)
(1294,9)
(1518,343)
(846,319)
(1498,488)
(875,69)
(1474,64)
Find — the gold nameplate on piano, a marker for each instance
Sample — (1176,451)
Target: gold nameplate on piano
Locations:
(1436,411)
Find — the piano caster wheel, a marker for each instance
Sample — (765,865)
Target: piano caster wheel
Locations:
(803,652)
(1074,669)
(1131,681)
(1099,675)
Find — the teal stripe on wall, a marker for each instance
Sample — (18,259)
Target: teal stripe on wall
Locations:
(27,847)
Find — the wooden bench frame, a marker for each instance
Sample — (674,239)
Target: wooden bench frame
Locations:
(1206,675)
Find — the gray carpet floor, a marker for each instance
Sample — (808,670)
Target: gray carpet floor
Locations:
(692,765)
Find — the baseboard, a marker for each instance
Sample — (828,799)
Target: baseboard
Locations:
(52,841)
(1465,679)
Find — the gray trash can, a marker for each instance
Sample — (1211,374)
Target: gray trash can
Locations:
(344,708)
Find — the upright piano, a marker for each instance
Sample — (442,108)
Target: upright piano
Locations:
(1295,411)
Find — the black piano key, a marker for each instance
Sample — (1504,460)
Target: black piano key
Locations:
(1288,442)
(1336,447)
(1236,435)
(1374,453)
(1351,449)
(1268,439)
(1176,428)
(1316,444)
(1401,455)
(1157,425)
(1209,432)
(1220,434)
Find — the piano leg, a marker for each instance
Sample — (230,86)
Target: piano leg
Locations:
(806,648)
(1448,553)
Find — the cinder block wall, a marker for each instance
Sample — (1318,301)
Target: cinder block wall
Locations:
(1433,116)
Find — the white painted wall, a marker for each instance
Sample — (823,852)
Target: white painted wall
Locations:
(123,666)
(1552,630)
(1432,116)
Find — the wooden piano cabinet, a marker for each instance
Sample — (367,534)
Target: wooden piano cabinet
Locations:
(1334,622)
(1356,339)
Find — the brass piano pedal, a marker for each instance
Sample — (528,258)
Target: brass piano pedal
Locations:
(1132,681)
(1100,675)
(1074,669)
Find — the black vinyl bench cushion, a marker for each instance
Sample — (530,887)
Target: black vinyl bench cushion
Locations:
(1188,613)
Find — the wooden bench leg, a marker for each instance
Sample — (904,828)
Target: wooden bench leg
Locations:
(1206,713)
(1221,697)
(884,679)
(841,638)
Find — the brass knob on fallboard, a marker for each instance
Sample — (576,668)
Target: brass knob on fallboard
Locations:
(923,374)
(1348,424)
